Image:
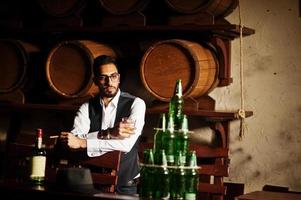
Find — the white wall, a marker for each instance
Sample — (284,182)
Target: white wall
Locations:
(270,151)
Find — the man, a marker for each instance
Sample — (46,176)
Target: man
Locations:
(113,120)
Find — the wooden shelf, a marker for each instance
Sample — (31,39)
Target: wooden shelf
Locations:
(208,115)
(25,107)
(230,31)
(219,115)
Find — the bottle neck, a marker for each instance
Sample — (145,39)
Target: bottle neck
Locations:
(176,105)
(170,124)
(178,89)
(39,138)
(162,158)
(148,156)
(39,143)
(179,159)
(162,122)
(193,159)
(184,125)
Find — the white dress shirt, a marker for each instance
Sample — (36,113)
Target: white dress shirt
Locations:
(97,147)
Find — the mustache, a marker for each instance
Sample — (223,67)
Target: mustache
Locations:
(108,86)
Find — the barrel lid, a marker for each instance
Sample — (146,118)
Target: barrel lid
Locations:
(169,60)
(69,69)
(163,64)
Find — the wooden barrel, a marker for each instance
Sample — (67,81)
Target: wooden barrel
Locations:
(61,8)
(166,61)
(117,7)
(14,58)
(69,67)
(218,8)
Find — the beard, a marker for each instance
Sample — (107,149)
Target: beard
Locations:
(108,91)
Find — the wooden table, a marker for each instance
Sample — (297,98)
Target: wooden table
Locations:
(21,191)
(267,195)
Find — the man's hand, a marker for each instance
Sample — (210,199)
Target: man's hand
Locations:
(72,141)
(124,129)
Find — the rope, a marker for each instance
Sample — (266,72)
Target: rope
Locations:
(241,111)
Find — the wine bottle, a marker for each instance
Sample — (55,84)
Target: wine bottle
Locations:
(38,160)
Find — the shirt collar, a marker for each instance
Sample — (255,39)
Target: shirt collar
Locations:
(115,99)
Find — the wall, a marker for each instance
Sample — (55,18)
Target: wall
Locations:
(270,150)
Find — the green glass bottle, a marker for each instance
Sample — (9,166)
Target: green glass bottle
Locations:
(182,139)
(147,173)
(38,160)
(162,179)
(169,141)
(192,177)
(158,138)
(176,105)
(178,178)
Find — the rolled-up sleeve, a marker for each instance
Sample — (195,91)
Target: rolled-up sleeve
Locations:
(81,124)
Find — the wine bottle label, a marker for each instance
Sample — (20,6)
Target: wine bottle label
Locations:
(190,196)
(38,166)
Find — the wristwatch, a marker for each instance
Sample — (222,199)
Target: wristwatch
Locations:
(104,134)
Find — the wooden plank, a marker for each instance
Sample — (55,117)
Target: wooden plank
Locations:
(208,152)
(215,170)
(211,188)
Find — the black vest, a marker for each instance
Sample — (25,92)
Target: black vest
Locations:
(129,167)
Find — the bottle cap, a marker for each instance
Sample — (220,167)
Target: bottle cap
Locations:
(39,132)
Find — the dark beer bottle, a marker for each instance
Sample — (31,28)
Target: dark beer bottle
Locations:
(38,160)
(192,177)
(176,105)
(147,173)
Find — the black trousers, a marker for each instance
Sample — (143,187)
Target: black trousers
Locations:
(129,189)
